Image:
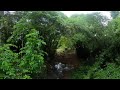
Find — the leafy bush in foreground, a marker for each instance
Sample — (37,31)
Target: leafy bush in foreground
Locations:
(112,71)
(32,61)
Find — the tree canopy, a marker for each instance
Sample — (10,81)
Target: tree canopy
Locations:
(30,40)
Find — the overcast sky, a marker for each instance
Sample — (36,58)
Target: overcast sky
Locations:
(69,13)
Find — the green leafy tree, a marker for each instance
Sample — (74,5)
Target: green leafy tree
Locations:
(49,24)
(7,21)
(89,26)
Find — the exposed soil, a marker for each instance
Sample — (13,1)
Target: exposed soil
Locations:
(68,58)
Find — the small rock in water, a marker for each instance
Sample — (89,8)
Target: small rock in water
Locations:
(66,68)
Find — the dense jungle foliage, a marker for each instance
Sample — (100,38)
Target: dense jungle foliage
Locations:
(30,40)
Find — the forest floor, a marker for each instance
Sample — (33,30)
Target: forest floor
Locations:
(70,59)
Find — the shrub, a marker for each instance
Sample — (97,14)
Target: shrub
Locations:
(32,61)
(111,71)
